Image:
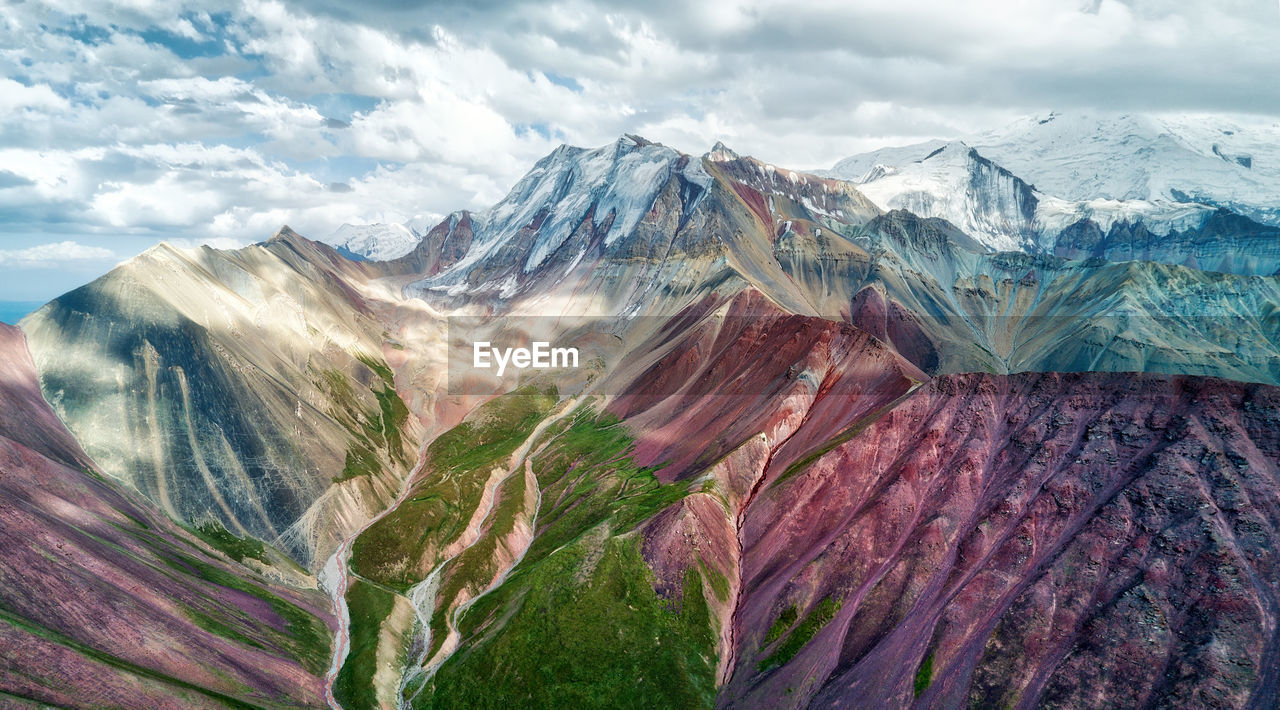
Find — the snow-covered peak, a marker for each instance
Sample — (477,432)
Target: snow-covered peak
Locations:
(1233,162)
(1053,215)
(868,166)
(1167,172)
(377,242)
(721,153)
(621,179)
(951,181)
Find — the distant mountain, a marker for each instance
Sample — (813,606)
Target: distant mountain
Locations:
(1216,160)
(954,182)
(817,246)
(379,242)
(1036,180)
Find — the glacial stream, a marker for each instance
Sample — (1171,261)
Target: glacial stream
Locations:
(335,575)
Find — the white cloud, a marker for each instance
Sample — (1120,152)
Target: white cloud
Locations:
(18,97)
(53,255)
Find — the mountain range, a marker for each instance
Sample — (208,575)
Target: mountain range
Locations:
(984,423)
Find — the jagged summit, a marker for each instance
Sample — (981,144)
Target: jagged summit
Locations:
(721,153)
(952,181)
(615,184)
(285,233)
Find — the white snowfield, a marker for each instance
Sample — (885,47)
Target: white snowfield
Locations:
(949,180)
(1170,172)
(1230,161)
(379,242)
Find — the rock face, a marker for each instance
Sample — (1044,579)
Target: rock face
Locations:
(1038,539)
(1225,242)
(104,602)
(237,386)
(1010,312)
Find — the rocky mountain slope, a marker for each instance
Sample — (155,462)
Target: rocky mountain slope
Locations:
(817,247)
(106,603)
(682,495)
(1031,540)
(250,387)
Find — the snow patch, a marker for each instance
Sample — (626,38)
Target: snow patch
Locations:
(377,242)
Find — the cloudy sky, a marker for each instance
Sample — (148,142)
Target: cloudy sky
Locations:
(126,122)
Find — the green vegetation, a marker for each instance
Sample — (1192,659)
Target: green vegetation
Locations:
(237,548)
(587,476)
(368,606)
(924,676)
(399,549)
(361,461)
(584,628)
(820,616)
(578,623)
(372,430)
(380,368)
(476,567)
(780,626)
(306,638)
(394,416)
(392,410)
(719,583)
(501,425)
(218,628)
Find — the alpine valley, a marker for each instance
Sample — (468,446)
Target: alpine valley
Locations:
(980,423)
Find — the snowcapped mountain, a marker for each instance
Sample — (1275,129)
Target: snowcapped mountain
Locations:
(645,214)
(1218,160)
(621,179)
(1024,186)
(608,190)
(992,204)
(867,167)
(951,181)
(379,242)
